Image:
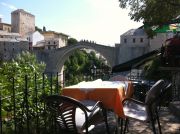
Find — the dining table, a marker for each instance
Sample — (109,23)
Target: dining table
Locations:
(110,93)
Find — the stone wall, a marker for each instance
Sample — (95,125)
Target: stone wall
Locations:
(157,41)
(125,53)
(9,50)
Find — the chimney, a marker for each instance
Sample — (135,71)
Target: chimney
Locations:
(0,20)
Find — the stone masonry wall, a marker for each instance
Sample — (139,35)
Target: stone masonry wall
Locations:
(9,50)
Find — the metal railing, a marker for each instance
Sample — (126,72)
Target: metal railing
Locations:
(22,107)
(25,111)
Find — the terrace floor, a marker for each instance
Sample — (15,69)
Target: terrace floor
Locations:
(170,124)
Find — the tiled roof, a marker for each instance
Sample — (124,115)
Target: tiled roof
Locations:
(135,32)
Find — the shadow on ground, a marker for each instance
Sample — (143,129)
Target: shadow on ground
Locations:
(169,123)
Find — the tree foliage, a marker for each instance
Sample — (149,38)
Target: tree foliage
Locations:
(38,29)
(80,63)
(72,41)
(152,70)
(152,12)
(44,29)
(25,64)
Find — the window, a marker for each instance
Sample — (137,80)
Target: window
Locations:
(134,40)
(141,40)
(49,47)
(125,40)
(49,42)
(54,42)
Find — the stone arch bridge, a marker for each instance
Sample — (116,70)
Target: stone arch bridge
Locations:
(55,59)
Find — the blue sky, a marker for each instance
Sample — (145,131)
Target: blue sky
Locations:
(101,21)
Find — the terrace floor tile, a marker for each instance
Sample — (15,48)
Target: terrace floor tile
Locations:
(169,123)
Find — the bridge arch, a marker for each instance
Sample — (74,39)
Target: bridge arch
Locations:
(100,49)
(55,59)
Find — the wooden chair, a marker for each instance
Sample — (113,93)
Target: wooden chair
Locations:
(73,116)
(145,111)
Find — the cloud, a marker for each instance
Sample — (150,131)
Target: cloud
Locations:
(9,6)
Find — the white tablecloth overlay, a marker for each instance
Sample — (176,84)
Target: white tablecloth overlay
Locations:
(91,85)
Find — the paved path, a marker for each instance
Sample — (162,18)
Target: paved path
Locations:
(169,123)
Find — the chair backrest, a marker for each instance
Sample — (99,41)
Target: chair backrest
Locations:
(152,100)
(63,109)
(118,78)
(165,95)
(154,91)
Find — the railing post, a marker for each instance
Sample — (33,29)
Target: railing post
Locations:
(0,115)
(51,82)
(43,80)
(57,84)
(43,89)
(14,105)
(26,103)
(36,99)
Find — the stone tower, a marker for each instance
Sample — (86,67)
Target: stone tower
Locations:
(22,22)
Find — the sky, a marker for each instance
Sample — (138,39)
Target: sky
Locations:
(102,21)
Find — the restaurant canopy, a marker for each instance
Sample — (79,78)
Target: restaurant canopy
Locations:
(172,26)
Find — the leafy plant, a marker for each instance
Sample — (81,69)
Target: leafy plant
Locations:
(22,89)
(152,70)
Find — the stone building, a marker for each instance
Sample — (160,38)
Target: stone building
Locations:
(47,44)
(135,43)
(22,22)
(11,44)
(55,39)
(33,38)
(5,26)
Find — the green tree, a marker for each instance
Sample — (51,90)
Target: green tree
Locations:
(24,64)
(38,29)
(15,70)
(152,12)
(79,64)
(152,70)
(44,29)
(72,41)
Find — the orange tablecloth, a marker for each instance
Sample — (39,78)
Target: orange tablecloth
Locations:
(111,97)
